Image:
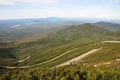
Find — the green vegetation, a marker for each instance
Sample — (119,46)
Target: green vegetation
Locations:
(72,72)
(83,37)
(19,32)
(109,52)
(7,53)
(109,26)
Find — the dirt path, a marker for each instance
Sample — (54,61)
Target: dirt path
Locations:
(24,59)
(111,42)
(79,57)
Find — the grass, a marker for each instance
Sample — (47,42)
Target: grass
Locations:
(110,51)
(62,41)
(52,52)
(81,50)
(85,38)
(106,54)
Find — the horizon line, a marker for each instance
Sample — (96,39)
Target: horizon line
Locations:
(61,18)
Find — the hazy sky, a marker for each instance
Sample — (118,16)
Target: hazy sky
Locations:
(105,9)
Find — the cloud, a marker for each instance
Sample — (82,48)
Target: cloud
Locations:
(64,8)
(13,2)
(6,2)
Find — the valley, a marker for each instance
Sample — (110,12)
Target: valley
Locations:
(28,47)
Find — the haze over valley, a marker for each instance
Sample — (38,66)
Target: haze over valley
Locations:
(59,40)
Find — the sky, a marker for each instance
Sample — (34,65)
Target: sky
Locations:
(100,9)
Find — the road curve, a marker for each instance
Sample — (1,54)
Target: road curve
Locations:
(65,63)
(54,58)
(14,67)
(79,57)
(24,59)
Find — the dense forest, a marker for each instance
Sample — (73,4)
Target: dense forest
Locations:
(72,72)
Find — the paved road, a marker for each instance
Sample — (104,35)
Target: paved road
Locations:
(55,57)
(65,63)
(38,63)
(79,57)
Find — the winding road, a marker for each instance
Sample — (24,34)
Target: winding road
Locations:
(79,57)
(38,63)
(65,63)
(55,57)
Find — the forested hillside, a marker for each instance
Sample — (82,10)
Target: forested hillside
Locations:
(60,46)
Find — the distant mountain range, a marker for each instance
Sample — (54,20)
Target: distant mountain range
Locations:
(25,28)
(109,25)
(7,23)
